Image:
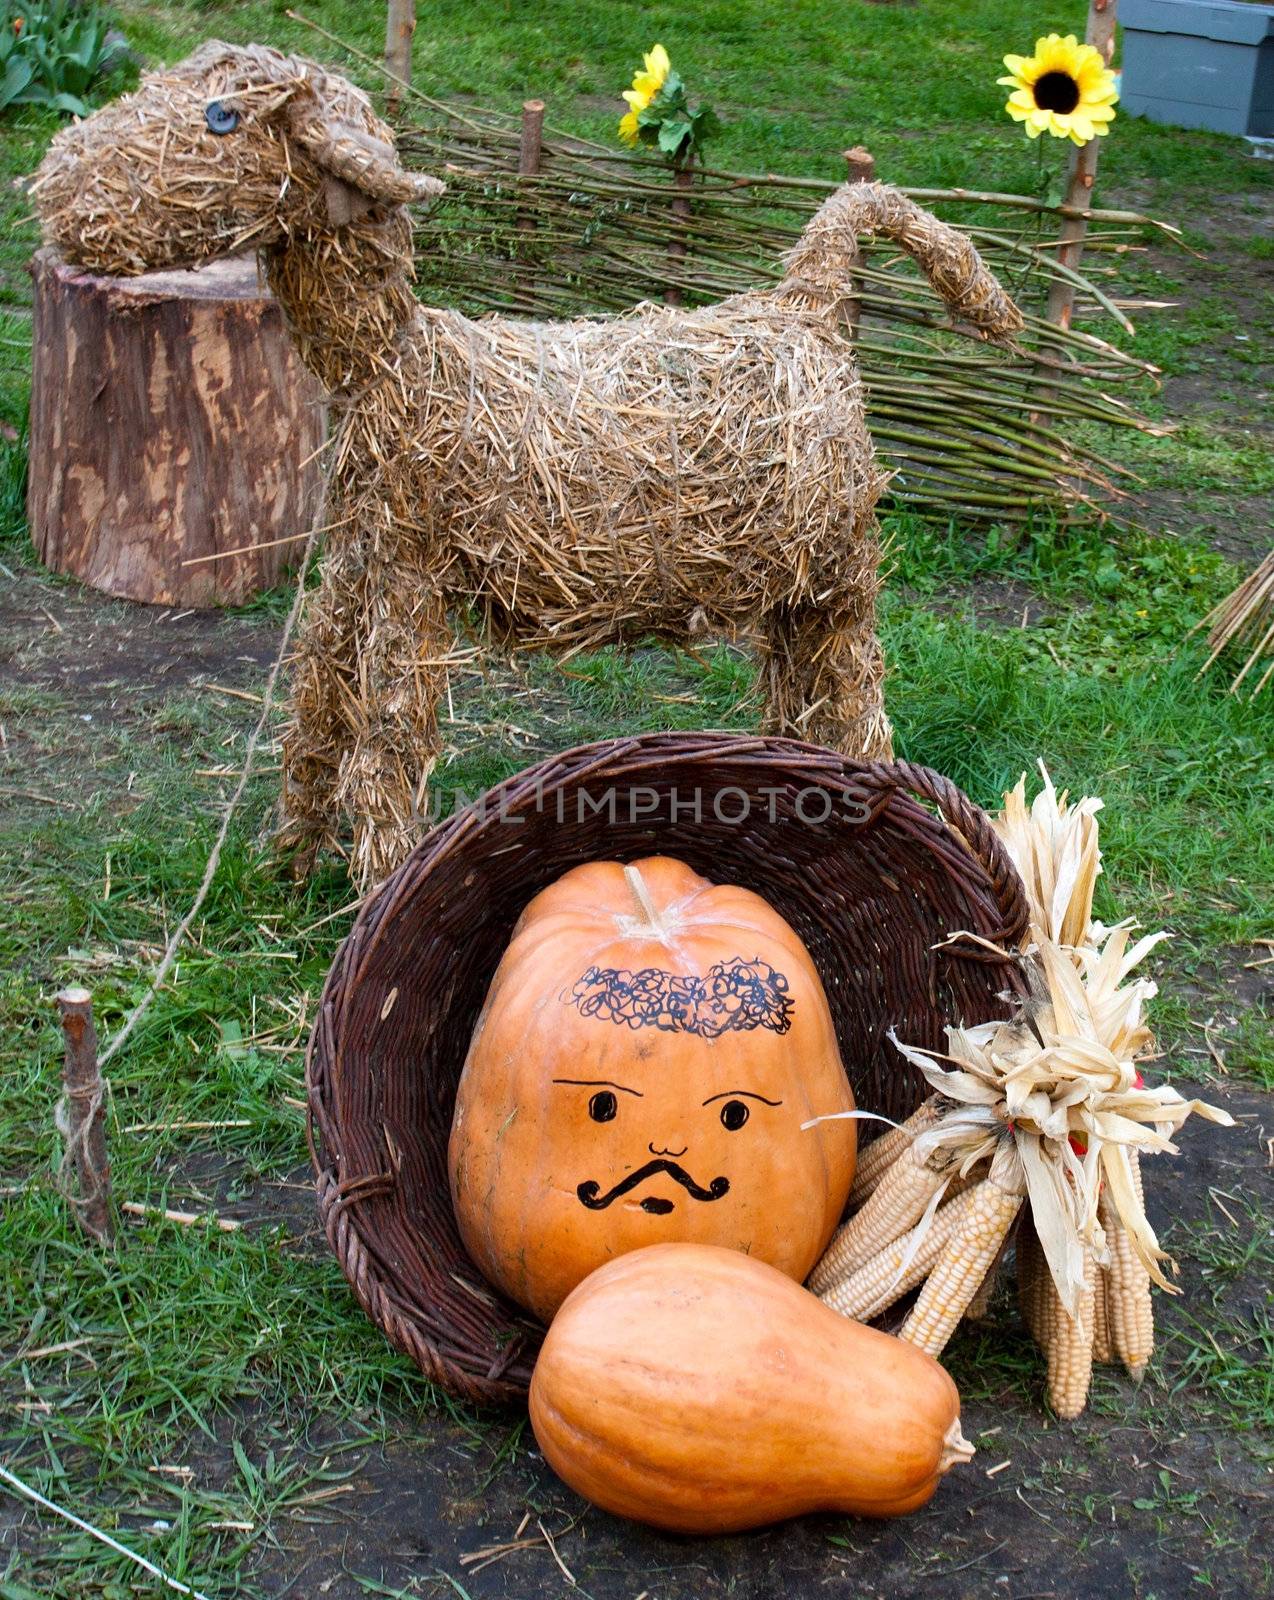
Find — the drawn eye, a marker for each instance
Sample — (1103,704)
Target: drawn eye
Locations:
(602,1106)
(220,119)
(733,1115)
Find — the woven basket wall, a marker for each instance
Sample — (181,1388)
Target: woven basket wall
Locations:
(903,861)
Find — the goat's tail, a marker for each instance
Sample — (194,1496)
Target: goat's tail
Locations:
(820,265)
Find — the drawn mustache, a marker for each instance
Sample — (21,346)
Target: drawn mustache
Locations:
(588,1192)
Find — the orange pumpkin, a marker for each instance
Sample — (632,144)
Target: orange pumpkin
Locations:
(648,1053)
(701,1391)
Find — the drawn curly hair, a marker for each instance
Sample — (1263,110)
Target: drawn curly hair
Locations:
(733,996)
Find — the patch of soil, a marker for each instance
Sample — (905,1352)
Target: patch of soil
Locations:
(1241,527)
(994,602)
(1233,977)
(112,656)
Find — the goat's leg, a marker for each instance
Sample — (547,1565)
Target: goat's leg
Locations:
(823,676)
(369,673)
(317,732)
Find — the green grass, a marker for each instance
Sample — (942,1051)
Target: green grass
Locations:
(226,1352)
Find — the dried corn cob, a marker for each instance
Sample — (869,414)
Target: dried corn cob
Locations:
(898,1202)
(969,1253)
(1102,1354)
(881,1153)
(1129,1309)
(878,1284)
(1070,1343)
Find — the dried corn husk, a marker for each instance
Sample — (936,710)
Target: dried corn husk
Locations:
(1053,845)
(1051,1099)
(1058,1075)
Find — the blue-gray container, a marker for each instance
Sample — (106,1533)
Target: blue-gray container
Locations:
(1200,64)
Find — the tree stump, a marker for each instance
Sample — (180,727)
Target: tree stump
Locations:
(171,419)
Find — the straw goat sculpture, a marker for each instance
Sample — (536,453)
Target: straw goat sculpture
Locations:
(665,473)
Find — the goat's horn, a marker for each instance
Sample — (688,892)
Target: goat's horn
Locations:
(366,163)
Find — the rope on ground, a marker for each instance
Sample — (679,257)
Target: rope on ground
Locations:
(75,1131)
(36,1498)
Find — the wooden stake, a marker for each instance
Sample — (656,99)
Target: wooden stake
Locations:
(1077,201)
(860,167)
(1083,171)
(861,164)
(532,138)
(400,25)
(81,1115)
(530,150)
(683,178)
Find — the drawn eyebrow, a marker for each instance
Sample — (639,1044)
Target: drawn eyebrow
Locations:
(601,1083)
(729,1094)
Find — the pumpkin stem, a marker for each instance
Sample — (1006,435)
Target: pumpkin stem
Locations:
(955,1448)
(648,918)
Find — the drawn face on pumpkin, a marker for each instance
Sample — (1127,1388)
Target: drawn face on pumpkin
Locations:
(735,996)
(644,1076)
(732,1108)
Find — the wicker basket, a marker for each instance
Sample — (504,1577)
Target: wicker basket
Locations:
(902,861)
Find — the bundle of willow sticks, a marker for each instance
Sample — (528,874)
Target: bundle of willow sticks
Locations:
(970,431)
(1245,618)
(1038,1121)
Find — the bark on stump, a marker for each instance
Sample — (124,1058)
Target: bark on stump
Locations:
(171,418)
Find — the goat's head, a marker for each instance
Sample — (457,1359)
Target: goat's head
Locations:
(233,149)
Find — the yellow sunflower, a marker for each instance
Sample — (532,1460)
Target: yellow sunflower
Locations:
(1065,89)
(646,85)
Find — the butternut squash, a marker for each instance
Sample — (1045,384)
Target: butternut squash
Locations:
(698,1390)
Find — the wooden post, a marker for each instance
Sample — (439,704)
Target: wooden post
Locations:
(683,179)
(400,25)
(532,138)
(82,1115)
(530,150)
(1083,171)
(860,166)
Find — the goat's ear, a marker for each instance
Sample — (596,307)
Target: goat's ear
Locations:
(345,203)
(362,171)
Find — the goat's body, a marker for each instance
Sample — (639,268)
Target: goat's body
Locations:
(665,473)
(588,482)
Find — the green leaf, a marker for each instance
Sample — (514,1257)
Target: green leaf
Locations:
(231,1037)
(672,87)
(250,1475)
(706,123)
(1108,578)
(672,135)
(75,78)
(17,75)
